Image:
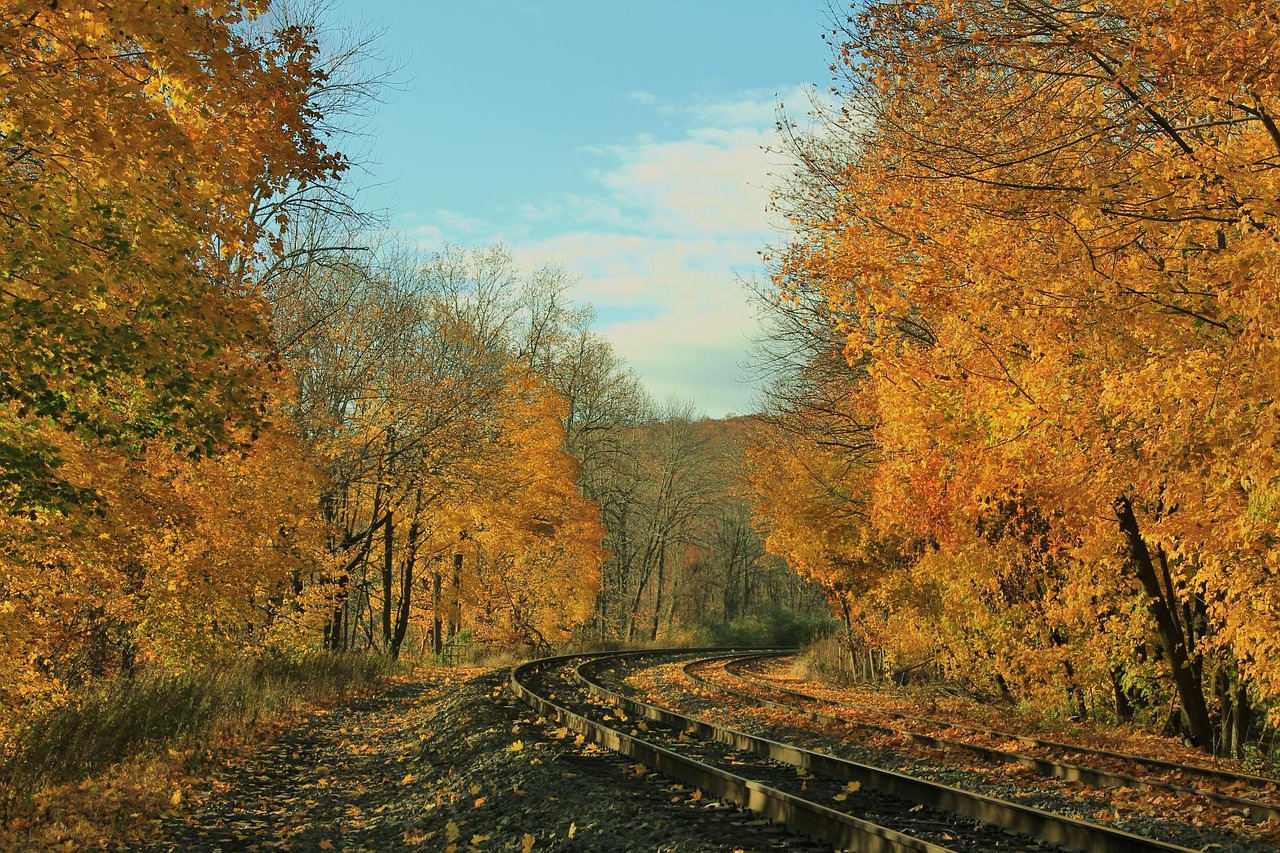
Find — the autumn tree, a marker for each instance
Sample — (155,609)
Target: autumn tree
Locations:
(123,197)
(1046,234)
(154,508)
(424,388)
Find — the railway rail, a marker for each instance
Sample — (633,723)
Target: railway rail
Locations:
(1099,776)
(844,803)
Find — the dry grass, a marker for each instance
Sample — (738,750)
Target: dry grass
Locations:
(94,768)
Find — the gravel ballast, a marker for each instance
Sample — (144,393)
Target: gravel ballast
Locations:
(472,770)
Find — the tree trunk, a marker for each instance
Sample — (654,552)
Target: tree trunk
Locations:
(657,599)
(1241,718)
(338,626)
(1123,707)
(406,586)
(388,541)
(455,610)
(437,618)
(1195,710)
(334,631)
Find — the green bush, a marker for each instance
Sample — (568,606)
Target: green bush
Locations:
(767,625)
(153,710)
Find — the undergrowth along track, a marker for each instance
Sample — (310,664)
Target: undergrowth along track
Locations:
(850,805)
(1072,771)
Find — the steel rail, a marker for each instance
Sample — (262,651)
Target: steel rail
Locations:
(1256,811)
(801,815)
(1064,831)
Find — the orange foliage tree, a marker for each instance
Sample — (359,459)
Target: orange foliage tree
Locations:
(451,495)
(150,505)
(1047,237)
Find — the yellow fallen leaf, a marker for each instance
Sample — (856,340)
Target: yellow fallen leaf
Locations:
(527,843)
(853,787)
(573,830)
(451,831)
(176,799)
(516,746)
(840,798)
(407,780)
(479,839)
(326,844)
(480,801)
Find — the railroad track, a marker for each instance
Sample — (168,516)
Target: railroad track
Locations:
(1180,779)
(844,803)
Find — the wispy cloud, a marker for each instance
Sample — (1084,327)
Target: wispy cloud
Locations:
(659,240)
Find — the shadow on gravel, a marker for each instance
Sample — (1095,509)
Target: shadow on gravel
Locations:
(474,770)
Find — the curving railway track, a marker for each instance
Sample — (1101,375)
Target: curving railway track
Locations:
(1256,798)
(844,803)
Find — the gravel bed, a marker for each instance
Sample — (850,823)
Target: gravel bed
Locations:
(1069,799)
(475,770)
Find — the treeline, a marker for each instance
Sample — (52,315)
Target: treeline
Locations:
(496,476)
(1026,355)
(149,481)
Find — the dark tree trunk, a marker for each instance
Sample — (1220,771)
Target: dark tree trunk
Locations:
(1195,710)
(437,618)
(455,611)
(657,599)
(1123,707)
(334,631)
(406,586)
(337,627)
(1241,719)
(388,541)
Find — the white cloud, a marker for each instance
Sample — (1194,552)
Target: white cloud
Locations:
(659,239)
(424,237)
(690,355)
(634,270)
(460,223)
(710,182)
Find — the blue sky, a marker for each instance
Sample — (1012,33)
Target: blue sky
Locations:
(622,140)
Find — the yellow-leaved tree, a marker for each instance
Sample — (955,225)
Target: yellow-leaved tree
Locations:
(149,505)
(1046,234)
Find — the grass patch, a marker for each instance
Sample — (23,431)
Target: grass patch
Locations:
(826,660)
(768,625)
(159,711)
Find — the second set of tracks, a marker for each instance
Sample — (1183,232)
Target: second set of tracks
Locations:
(844,803)
(1255,798)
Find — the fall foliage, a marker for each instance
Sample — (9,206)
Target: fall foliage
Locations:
(150,497)
(1043,238)
(226,428)
(1021,429)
